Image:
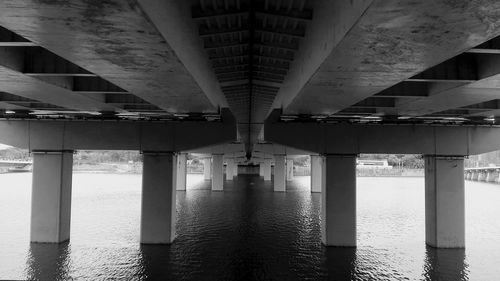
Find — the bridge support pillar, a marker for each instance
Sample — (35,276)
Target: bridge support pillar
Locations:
(338,201)
(289,169)
(235,169)
(492,176)
(279,173)
(207,167)
(218,172)
(316,172)
(229,169)
(158,198)
(444,202)
(475,175)
(267,169)
(482,176)
(181,176)
(51,196)
(261,169)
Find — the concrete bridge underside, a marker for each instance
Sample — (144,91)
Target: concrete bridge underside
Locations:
(251,82)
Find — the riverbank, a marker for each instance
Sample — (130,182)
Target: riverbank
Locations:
(136,168)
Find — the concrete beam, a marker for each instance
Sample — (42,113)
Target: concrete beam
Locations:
(233,149)
(261,149)
(354,69)
(116,135)
(121,45)
(332,18)
(338,138)
(173,21)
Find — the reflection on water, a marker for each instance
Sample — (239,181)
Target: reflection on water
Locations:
(445,264)
(48,261)
(155,262)
(341,263)
(247,232)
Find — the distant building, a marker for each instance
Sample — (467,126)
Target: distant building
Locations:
(372,164)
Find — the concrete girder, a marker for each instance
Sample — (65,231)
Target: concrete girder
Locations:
(114,40)
(421,33)
(226,149)
(14,82)
(275,149)
(331,18)
(116,135)
(173,21)
(466,95)
(337,138)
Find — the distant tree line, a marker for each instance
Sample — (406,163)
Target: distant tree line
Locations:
(408,161)
(107,156)
(15,154)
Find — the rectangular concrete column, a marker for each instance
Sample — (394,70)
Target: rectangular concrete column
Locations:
(444,202)
(229,169)
(338,201)
(289,169)
(482,176)
(218,172)
(316,172)
(492,176)
(261,169)
(207,167)
(279,173)
(158,198)
(51,196)
(235,169)
(181,176)
(267,169)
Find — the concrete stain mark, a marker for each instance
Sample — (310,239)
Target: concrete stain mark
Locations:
(399,38)
(112,39)
(115,22)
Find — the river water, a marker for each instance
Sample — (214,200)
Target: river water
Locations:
(247,232)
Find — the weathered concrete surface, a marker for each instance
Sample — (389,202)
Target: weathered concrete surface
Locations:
(341,138)
(444,202)
(13,81)
(390,42)
(338,201)
(51,197)
(124,135)
(158,198)
(115,40)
